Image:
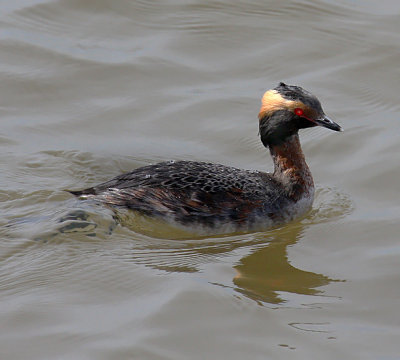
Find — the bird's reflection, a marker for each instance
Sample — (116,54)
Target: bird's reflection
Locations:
(261,275)
(266,272)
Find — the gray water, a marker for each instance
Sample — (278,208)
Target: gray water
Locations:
(91,89)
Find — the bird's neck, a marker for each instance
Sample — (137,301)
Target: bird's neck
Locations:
(291,169)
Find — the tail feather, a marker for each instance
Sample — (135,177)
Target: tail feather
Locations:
(89,191)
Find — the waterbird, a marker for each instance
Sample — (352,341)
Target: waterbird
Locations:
(208,198)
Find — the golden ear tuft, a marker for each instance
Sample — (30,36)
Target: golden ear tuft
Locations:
(272,101)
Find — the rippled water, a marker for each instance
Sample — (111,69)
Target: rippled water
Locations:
(90,89)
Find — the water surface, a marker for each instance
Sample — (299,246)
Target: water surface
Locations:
(90,89)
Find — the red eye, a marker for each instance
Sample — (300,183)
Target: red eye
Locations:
(298,111)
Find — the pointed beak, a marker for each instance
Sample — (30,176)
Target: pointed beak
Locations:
(328,123)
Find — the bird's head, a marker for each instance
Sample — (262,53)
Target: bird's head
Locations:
(286,109)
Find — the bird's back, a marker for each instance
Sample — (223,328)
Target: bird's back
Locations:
(197,194)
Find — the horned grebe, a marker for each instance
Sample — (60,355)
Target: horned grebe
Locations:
(215,199)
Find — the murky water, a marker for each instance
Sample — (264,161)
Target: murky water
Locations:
(90,89)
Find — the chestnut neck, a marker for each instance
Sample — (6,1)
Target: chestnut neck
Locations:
(291,169)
